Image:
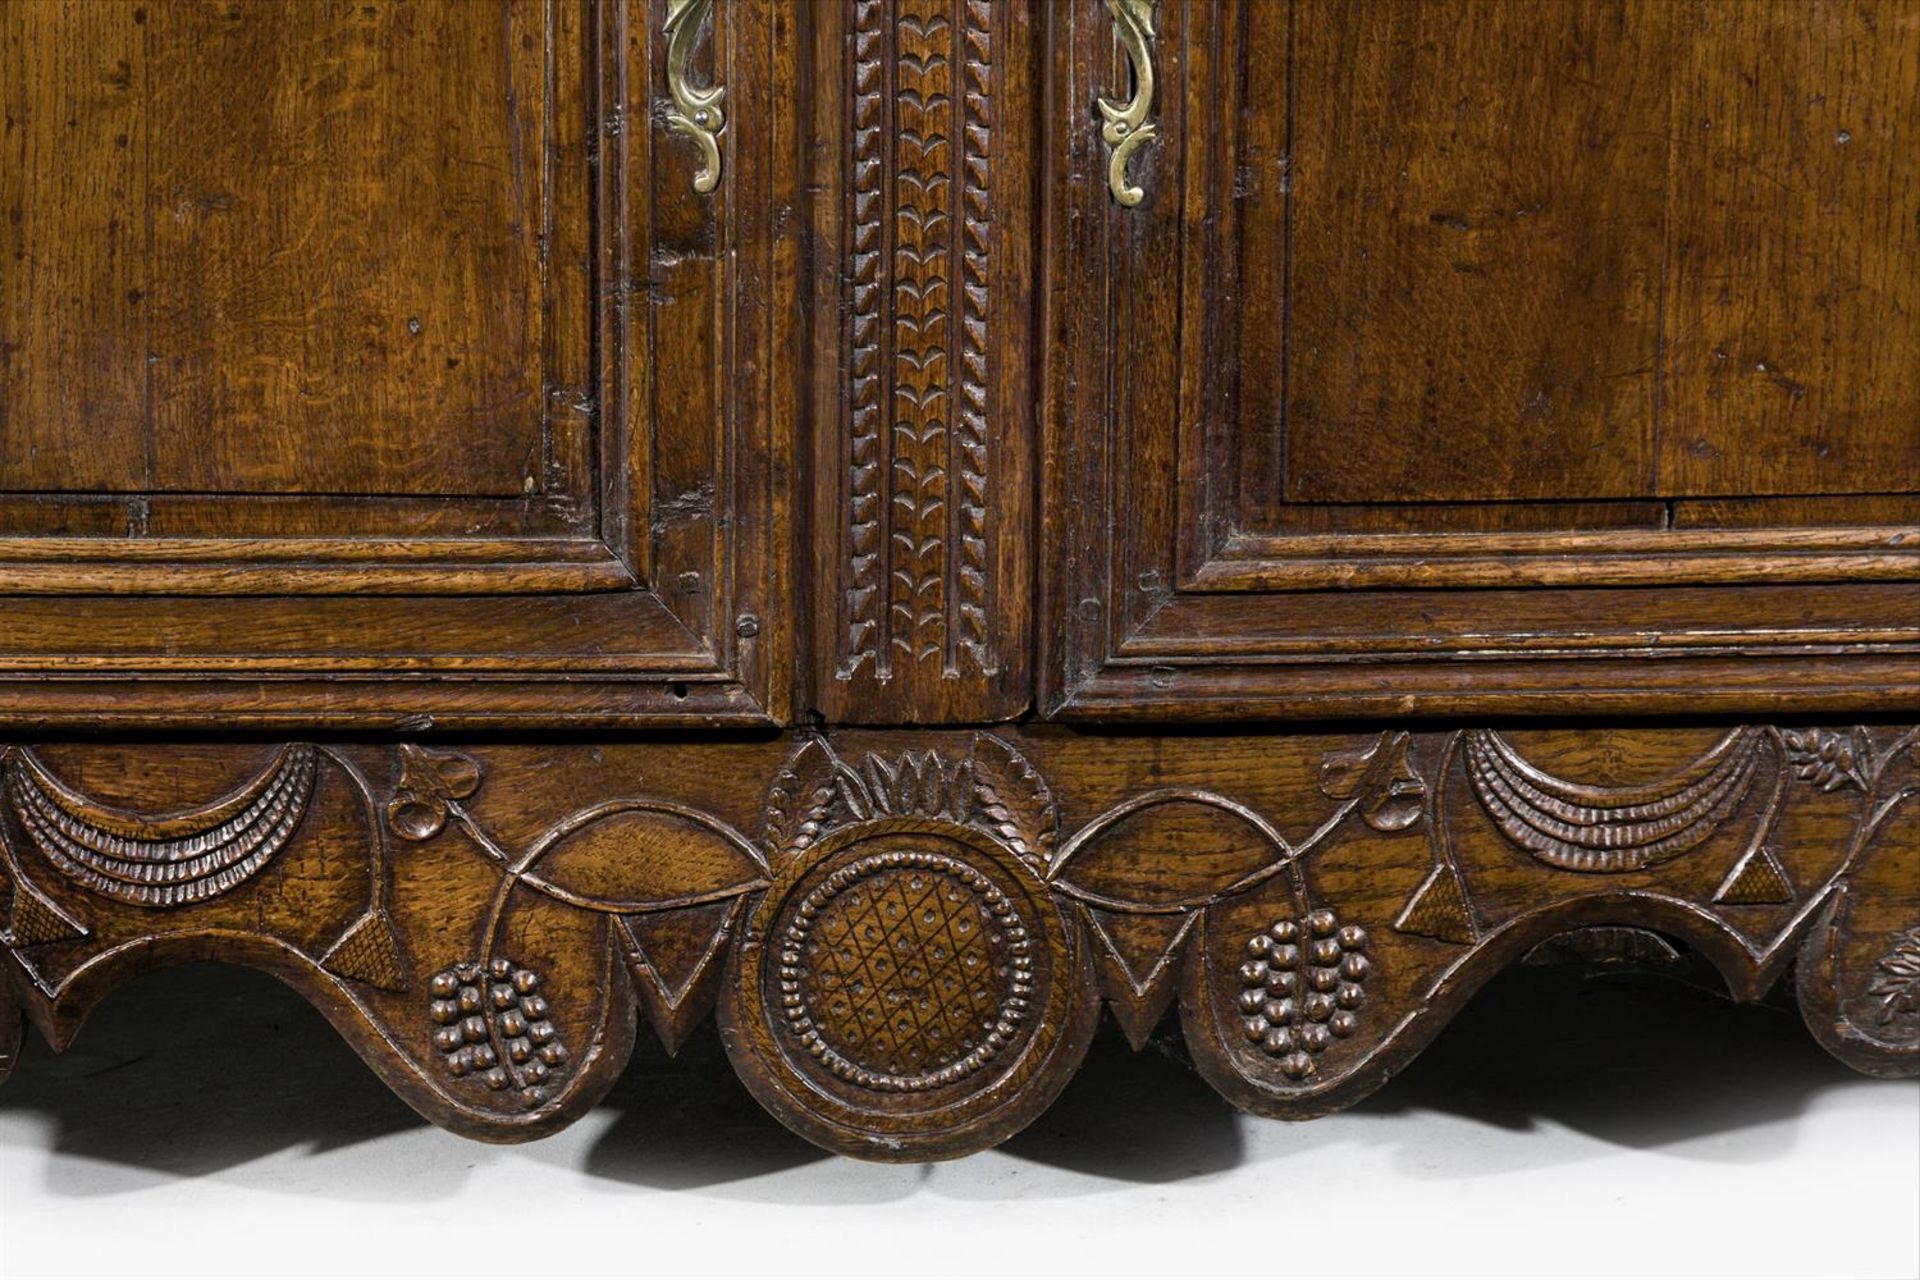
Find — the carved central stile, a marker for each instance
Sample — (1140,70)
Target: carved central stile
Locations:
(917,483)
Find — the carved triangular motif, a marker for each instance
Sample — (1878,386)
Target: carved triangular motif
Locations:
(1136,956)
(674,956)
(34,919)
(369,953)
(1438,909)
(1756,880)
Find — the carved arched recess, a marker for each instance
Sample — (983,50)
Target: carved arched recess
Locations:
(908,937)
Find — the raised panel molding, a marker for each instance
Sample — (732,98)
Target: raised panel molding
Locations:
(930,419)
(908,936)
(1460,541)
(622,557)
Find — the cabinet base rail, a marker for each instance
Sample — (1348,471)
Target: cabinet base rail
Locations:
(907,937)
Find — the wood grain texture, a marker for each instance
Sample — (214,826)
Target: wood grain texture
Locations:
(1479,182)
(298,281)
(73,291)
(331,314)
(908,934)
(1795,227)
(1370,405)
(1394,245)
(419,315)
(1536,382)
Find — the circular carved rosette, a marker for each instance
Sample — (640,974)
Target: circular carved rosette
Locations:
(908,990)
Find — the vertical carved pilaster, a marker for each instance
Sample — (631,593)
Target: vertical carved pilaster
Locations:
(929,584)
(970,423)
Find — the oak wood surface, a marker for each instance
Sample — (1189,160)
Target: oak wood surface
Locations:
(1794,231)
(1482,183)
(1493,340)
(907,935)
(924,129)
(401,351)
(1371,359)
(528,518)
(304,283)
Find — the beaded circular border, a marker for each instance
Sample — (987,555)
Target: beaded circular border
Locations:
(1012,1010)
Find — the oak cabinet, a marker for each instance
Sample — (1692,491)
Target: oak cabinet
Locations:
(1473,446)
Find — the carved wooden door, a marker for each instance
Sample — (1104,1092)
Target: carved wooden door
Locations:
(692,488)
(1483,357)
(385,367)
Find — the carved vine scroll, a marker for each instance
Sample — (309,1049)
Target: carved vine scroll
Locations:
(908,936)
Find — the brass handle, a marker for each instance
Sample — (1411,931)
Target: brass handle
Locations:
(1127,128)
(696,112)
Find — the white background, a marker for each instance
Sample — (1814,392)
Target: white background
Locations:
(209,1124)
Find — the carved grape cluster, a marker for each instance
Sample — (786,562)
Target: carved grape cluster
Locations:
(492,1025)
(1302,986)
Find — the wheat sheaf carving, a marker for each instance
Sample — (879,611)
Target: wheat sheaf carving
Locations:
(922,329)
(169,860)
(919,307)
(865,284)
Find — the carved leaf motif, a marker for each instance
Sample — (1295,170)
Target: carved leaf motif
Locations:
(1013,799)
(918,784)
(447,775)
(1342,772)
(800,802)
(1896,979)
(635,856)
(1828,759)
(853,792)
(865,300)
(429,780)
(1395,794)
(919,317)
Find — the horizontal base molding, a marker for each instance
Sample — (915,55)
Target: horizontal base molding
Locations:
(908,937)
